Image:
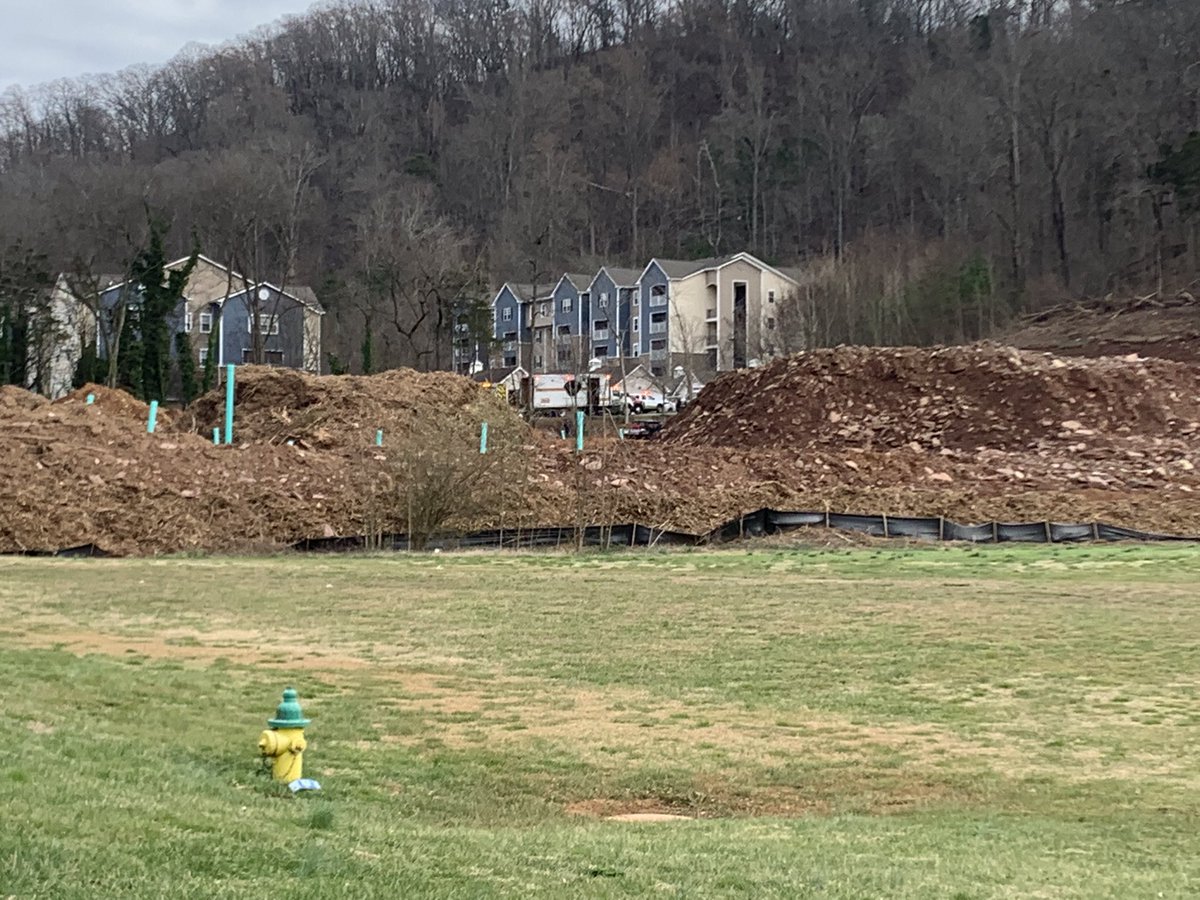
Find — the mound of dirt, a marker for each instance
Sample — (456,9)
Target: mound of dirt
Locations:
(1164,327)
(115,404)
(956,398)
(276,405)
(76,473)
(14,399)
(975,434)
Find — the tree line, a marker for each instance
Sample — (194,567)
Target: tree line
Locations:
(936,166)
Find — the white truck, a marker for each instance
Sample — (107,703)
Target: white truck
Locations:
(559,393)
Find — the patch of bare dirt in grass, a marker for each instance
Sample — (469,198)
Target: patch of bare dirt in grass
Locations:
(190,646)
(714,798)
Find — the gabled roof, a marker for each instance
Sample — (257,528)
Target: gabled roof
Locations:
(228,281)
(613,371)
(623,277)
(678,268)
(579,282)
(523,292)
(497,375)
(305,296)
(620,277)
(682,268)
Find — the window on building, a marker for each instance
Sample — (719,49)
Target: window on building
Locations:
(203,356)
(658,345)
(564,356)
(604,299)
(507,314)
(544,309)
(266,324)
(770,323)
(187,322)
(658,290)
(566,304)
(270,357)
(770,296)
(637,324)
(712,359)
(564,330)
(601,351)
(206,323)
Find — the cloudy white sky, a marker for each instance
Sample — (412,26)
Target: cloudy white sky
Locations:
(41,40)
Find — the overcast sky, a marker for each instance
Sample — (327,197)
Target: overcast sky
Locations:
(41,40)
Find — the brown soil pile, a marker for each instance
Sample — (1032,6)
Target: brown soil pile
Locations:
(1166,327)
(14,399)
(275,405)
(972,433)
(957,398)
(76,474)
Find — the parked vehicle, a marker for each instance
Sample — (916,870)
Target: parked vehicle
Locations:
(641,430)
(653,401)
(559,393)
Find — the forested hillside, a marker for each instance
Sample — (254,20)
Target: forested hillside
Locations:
(938,164)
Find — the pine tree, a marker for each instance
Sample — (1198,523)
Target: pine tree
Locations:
(368,352)
(161,293)
(186,362)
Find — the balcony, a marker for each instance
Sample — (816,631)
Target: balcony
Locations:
(510,346)
(710,314)
(600,334)
(658,299)
(658,327)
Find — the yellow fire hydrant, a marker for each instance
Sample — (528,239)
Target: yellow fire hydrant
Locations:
(284,743)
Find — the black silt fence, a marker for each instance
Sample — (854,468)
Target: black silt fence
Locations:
(760,523)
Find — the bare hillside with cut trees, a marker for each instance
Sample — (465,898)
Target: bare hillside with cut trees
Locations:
(938,166)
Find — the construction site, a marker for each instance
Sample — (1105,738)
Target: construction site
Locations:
(976,433)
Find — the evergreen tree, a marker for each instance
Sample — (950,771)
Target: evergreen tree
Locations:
(88,369)
(161,293)
(186,361)
(129,365)
(368,351)
(23,319)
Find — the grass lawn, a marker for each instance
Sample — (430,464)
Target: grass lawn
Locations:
(943,722)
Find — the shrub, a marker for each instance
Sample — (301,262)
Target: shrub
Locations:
(441,482)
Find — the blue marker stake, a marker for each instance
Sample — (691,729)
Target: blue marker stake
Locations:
(217,436)
(483,438)
(379,438)
(579,431)
(153,420)
(229,404)
(91,398)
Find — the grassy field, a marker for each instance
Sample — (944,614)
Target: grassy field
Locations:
(873,723)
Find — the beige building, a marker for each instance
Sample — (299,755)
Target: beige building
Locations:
(710,314)
(210,287)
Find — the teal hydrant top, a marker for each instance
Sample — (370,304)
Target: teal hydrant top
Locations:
(288,714)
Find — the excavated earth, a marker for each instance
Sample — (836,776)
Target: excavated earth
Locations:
(973,433)
(1165,326)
